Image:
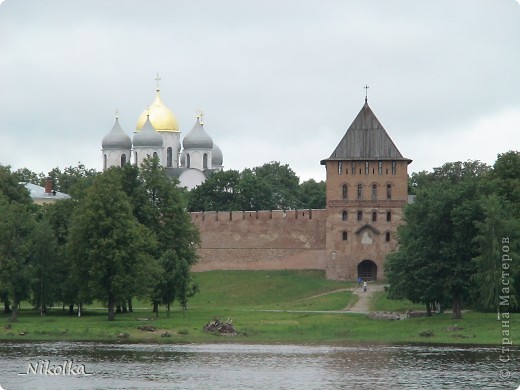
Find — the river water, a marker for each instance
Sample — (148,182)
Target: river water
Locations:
(259,366)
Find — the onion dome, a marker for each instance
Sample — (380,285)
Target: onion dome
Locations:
(197,138)
(161,117)
(116,138)
(217,158)
(148,137)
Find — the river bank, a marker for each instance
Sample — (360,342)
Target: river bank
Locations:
(264,307)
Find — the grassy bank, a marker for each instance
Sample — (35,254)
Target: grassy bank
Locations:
(247,297)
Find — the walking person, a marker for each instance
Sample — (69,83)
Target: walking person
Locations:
(365,286)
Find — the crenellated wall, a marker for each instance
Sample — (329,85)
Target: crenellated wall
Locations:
(256,240)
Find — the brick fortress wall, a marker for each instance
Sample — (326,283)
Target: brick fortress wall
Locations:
(260,240)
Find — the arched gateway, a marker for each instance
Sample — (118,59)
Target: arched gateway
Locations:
(367,270)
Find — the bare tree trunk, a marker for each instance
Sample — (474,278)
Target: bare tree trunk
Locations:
(111,305)
(457,307)
(428,310)
(14,313)
(130,307)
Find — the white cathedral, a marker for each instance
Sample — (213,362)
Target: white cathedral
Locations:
(157,134)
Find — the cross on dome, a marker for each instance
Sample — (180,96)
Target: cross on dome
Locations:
(157,79)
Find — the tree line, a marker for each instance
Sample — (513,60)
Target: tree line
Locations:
(124,234)
(272,186)
(465,218)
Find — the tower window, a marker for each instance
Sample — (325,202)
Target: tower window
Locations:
(353,167)
(205,161)
(374,216)
(379,167)
(345,236)
(394,169)
(104,162)
(135,158)
(388,216)
(367,168)
(123,160)
(340,167)
(360,216)
(169,157)
(374,191)
(344,191)
(388,191)
(359,191)
(387,236)
(155,155)
(188,161)
(344,216)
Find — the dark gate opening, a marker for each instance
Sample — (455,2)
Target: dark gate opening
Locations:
(367,270)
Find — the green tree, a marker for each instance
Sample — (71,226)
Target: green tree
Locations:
(45,265)
(110,248)
(178,238)
(312,194)
(505,179)
(436,242)
(73,181)
(282,182)
(59,216)
(16,224)
(490,273)
(218,193)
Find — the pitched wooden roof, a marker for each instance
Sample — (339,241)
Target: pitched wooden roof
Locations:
(366,139)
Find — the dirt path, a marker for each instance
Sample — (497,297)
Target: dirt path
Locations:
(365,298)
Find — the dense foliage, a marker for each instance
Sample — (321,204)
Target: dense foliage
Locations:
(124,234)
(271,186)
(454,236)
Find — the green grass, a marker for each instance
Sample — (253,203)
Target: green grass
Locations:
(380,302)
(244,297)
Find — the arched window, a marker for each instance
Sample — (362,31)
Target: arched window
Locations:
(188,161)
(344,190)
(387,236)
(104,162)
(388,191)
(135,158)
(169,157)
(359,191)
(374,216)
(353,167)
(388,216)
(394,169)
(340,167)
(345,236)
(344,216)
(367,167)
(123,160)
(379,167)
(374,191)
(360,216)
(155,155)
(205,161)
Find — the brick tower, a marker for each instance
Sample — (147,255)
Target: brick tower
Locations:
(367,187)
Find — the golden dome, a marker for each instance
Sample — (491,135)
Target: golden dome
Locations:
(161,117)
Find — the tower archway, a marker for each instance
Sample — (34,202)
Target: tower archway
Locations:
(367,270)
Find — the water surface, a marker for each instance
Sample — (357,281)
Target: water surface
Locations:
(243,366)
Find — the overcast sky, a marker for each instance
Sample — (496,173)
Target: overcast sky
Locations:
(277,80)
